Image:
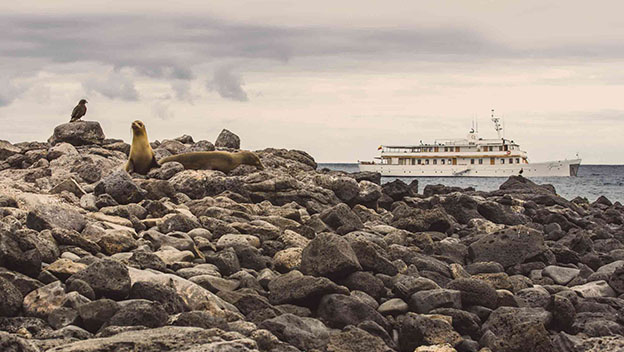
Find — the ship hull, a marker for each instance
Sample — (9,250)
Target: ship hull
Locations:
(559,168)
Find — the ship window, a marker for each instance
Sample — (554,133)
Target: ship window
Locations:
(426,161)
(500,148)
(435,161)
(491,148)
(502,161)
(472,161)
(442,161)
(445,149)
(413,161)
(457,149)
(517,160)
(480,161)
(449,161)
(419,161)
(511,160)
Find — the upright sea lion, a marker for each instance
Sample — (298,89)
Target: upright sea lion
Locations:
(79,111)
(222,161)
(142,157)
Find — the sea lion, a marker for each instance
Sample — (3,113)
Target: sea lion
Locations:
(79,111)
(222,161)
(142,157)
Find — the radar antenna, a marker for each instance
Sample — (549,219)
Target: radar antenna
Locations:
(497,125)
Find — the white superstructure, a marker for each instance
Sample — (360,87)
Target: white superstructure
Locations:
(472,156)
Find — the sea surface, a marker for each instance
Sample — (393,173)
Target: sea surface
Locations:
(592,181)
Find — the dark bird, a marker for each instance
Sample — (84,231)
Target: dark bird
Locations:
(79,111)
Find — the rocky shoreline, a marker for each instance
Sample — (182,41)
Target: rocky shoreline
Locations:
(292,258)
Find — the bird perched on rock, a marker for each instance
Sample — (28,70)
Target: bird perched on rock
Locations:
(79,111)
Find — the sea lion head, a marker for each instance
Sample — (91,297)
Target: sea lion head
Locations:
(138,127)
(250,158)
(82,102)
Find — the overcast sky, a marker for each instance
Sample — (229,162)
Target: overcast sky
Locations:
(333,78)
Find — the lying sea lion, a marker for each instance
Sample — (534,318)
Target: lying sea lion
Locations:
(222,161)
(142,157)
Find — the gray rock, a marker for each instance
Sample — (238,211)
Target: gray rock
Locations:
(297,288)
(508,247)
(475,292)
(405,286)
(50,216)
(140,313)
(42,301)
(353,339)
(78,133)
(393,306)
(339,311)
(10,343)
(108,278)
(366,282)
(10,299)
(303,333)
(341,219)
(372,257)
(560,275)
(97,313)
(7,150)
(517,329)
(329,255)
(120,186)
(594,289)
(427,300)
(169,338)
(416,330)
(166,296)
(227,139)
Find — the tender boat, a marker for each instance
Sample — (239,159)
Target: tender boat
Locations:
(472,156)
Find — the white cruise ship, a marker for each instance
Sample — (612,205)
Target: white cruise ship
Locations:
(472,156)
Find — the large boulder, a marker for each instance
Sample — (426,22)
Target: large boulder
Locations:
(296,288)
(227,139)
(329,255)
(341,219)
(303,333)
(353,339)
(510,329)
(51,216)
(10,298)
(108,278)
(416,330)
(168,338)
(120,186)
(339,311)
(7,150)
(508,247)
(78,133)
(475,292)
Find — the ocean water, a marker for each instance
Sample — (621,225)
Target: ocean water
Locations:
(592,181)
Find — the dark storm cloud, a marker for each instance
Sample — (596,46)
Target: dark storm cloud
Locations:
(228,84)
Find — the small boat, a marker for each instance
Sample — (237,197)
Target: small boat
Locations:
(466,157)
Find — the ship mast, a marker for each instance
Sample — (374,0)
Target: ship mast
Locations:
(497,125)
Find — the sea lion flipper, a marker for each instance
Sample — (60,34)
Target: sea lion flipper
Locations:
(129,166)
(154,163)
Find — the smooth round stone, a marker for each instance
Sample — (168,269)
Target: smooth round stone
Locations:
(393,306)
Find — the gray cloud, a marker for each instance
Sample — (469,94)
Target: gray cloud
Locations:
(172,47)
(228,84)
(9,92)
(115,86)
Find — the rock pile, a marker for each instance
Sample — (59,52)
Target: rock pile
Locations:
(293,259)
